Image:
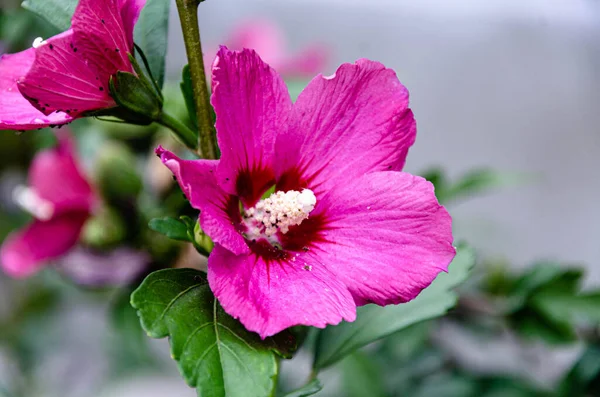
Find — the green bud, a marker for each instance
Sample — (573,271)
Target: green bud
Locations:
(105,229)
(202,241)
(116,172)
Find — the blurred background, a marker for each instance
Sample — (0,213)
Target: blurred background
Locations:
(506,94)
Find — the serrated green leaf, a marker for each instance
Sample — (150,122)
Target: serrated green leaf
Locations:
(150,35)
(214,352)
(309,389)
(172,228)
(188,94)
(375,322)
(57,12)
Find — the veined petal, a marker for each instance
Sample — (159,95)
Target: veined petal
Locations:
(55,176)
(219,211)
(16,113)
(102,34)
(25,252)
(60,79)
(386,237)
(270,296)
(130,12)
(252,104)
(345,125)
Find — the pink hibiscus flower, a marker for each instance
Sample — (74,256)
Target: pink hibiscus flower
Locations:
(60,200)
(345,226)
(269,42)
(68,75)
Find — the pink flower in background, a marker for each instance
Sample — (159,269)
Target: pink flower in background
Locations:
(269,42)
(345,226)
(67,75)
(60,200)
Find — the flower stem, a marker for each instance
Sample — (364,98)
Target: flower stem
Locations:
(188,14)
(186,135)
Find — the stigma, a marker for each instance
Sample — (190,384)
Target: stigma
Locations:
(278,213)
(38,42)
(30,201)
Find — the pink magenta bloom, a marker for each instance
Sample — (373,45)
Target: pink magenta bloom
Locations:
(68,74)
(345,227)
(60,199)
(269,42)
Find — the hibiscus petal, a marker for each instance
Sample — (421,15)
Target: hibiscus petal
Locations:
(130,12)
(102,35)
(353,122)
(60,79)
(252,103)
(16,113)
(262,36)
(55,176)
(25,252)
(386,237)
(219,211)
(270,296)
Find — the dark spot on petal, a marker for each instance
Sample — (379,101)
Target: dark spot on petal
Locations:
(101,88)
(51,46)
(116,49)
(74,49)
(102,21)
(226,179)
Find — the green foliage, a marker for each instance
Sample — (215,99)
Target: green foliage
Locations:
(188,95)
(57,12)
(546,302)
(313,387)
(172,228)
(362,376)
(474,182)
(375,322)
(214,352)
(584,378)
(150,35)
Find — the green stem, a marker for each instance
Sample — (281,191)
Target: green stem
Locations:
(187,136)
(188,14)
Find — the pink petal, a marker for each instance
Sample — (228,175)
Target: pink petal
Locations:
(219,210)
(16,112)
(353,122)
(130,12)
(252,104)
(62,79)
(24,252)
(262,36)
(306,63)
(55,176)
(385,236)
(270,296)
(104,33)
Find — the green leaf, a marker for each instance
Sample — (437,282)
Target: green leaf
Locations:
(375,322)
(473,182)
(57,12)
(583,376)
(151,36)
(362,376)
(214,352)
(188,94)
(172,228)
(309,389)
